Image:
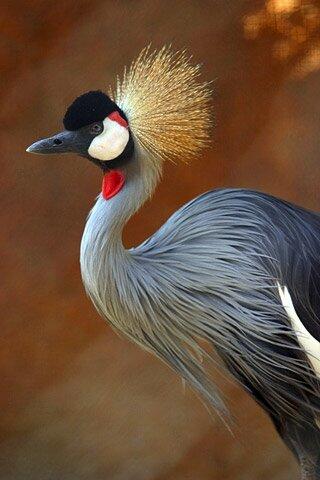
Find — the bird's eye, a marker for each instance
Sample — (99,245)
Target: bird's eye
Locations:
(96,128)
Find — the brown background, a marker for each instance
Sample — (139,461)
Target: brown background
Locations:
(77,402)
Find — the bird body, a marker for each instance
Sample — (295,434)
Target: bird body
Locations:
(234,268)
(209,272)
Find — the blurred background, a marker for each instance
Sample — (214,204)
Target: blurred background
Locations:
(77,402)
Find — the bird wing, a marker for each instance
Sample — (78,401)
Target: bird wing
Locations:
(307,342)
(299,257)
(220,257)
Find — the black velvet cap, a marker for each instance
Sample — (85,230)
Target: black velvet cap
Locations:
(93,106)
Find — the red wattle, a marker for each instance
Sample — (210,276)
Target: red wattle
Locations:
(112,183)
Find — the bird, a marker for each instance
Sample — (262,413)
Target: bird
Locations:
(233,271)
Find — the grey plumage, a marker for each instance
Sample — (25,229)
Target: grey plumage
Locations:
(210,272)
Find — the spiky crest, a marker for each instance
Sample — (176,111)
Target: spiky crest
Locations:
(168,108)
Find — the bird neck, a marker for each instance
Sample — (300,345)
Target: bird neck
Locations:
(141,177)
(102,252)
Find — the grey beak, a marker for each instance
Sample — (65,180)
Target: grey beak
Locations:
(62,142)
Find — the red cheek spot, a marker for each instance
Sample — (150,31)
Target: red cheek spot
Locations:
(112,183)
(116,117)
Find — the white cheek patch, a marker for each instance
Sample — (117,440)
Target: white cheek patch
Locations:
(110,143)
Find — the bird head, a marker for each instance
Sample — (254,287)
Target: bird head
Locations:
(95,128)
(158,107)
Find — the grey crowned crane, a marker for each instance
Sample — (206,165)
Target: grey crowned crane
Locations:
(236,269)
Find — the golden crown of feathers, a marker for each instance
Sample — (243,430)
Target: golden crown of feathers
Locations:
(168,108)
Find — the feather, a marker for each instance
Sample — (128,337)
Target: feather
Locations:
(168,108)
(308,343)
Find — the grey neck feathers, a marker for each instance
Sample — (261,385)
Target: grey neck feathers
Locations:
(129,287)
(104,260)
